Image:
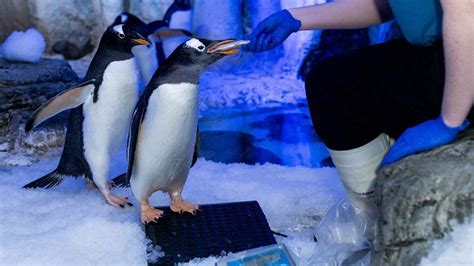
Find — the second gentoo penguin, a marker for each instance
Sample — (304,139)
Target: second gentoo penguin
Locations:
(101,111)
(164,127)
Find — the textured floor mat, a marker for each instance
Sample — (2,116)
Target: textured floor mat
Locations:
(215,229)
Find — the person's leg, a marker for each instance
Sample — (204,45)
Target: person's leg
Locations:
(382,88)
(355,98)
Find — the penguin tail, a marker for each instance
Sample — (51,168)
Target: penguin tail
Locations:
(121,181)
(47,181)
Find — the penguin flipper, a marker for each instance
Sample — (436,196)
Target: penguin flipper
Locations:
(171,33)
(67,99)
(138,116)
(196,148)
(47,181)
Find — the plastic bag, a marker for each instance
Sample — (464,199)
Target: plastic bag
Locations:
(343,237)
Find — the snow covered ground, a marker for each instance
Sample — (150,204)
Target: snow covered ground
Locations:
(454,249)
(71,225)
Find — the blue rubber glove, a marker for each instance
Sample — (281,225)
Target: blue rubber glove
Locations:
(272,31)
(425,136)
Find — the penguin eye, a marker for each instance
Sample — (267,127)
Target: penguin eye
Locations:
(119,30)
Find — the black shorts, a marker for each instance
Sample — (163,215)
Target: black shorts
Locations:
(384,88)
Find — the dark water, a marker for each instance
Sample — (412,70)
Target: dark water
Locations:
(281,135)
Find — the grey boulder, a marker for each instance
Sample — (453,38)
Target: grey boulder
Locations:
(419,197)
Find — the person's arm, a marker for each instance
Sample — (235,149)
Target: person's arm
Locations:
(340,14)
(458,41)
(458,98)
(343,14)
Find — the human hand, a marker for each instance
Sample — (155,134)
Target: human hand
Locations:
(422,137)
(272,31)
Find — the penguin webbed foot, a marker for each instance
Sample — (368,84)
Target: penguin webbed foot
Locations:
(179,205)
(113,200)
(149,214)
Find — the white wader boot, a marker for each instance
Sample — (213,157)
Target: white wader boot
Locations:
(357,169)
(344,234)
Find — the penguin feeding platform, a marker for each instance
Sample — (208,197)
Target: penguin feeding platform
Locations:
(214,230)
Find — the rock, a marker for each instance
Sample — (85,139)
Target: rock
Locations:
(108,10)
(74,47)
(88,19)
(149,10)
(55,21)
(14,15)
(418,197)
(23,88)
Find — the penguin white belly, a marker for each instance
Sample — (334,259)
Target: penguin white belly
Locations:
(166,140)
(106,121)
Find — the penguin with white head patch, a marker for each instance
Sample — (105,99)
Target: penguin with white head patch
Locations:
(101,111)
(163,135)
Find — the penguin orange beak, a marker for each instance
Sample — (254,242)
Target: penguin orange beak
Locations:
(226,47)
(141,41)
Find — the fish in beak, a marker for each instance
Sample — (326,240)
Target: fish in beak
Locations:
(226,47)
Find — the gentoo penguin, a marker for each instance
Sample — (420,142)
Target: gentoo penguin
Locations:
(101,112)
(164,126)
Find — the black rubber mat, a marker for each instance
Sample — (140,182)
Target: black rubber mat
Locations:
(216,228)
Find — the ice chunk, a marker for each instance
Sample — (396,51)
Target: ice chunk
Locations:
(26,46)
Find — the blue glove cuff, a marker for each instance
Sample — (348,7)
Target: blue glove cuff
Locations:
(295,24)
(457,129)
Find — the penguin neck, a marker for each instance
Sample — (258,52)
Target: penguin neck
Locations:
(103,57)
(172,73)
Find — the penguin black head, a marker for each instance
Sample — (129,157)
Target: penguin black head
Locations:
(129,19)
(202,52)
(123,37)
(134,23)
(183,4)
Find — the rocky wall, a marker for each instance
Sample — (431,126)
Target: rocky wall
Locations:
(61,20)
(23,88)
